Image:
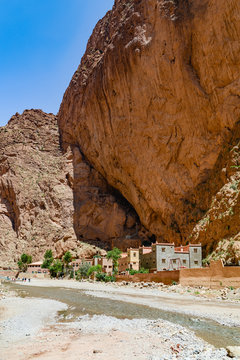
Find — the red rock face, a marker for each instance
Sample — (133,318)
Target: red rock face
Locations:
(36,201)
(39,204)
(153,103)
(100,217)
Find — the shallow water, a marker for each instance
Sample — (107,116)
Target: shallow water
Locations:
(80,304)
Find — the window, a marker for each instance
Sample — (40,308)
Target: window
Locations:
(134,254)
(164,261)
(174,261)
(163,249)
(184,261)
(195,250)
(196,262)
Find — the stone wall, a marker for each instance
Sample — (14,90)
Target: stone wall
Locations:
(215,276)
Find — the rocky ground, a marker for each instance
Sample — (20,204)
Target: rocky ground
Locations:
(30,332)
(228,293)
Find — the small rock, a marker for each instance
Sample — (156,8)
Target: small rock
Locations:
(234,351)
(97,351)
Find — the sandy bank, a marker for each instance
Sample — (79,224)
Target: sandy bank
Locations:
(23,318)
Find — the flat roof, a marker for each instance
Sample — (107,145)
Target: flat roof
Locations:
(36,263)
(164,244)
(181,252)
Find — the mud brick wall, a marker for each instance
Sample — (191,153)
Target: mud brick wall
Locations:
(166,277)
(215,276)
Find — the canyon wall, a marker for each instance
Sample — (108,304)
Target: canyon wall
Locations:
(39,201)
(149,139)
(154,105)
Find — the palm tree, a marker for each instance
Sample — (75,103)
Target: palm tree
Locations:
(115,255)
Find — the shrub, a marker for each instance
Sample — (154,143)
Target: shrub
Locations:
(141,271)
(82,271)
(104,277)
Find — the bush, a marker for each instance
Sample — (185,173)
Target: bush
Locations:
(141,271)
(104,277)
(82,271)
(133,272)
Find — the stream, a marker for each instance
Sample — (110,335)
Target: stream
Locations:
(80,304)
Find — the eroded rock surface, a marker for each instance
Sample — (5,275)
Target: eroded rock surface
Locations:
(218,230)
(36,201)
(37,195)
(154,102)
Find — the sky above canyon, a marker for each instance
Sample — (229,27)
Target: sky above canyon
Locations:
(41,45)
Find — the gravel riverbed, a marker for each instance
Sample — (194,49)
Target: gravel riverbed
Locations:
(30,330)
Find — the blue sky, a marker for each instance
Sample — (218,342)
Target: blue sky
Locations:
(41,45)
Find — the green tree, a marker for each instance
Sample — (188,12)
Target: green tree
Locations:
(115,255)
(48,259)
(56,268)
(82,270)
(67,258)
(24,261)
(94,269)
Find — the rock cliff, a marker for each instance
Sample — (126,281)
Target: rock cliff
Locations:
(149,132)
(37,195)
(36,206)
(155,103)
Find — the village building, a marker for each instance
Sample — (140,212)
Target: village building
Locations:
(36,268)
(165,256)
(122,263)
(129,260)
(133,259)
(106,264)
(78,262)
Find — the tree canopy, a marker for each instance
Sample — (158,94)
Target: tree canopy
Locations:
(25,259)
(67,258)
(56,268)
(115,255)
(48,259)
